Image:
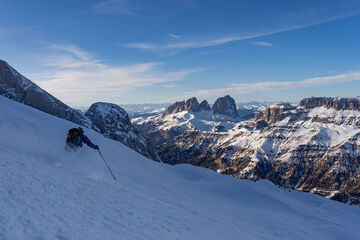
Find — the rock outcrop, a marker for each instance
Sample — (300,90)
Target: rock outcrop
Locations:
(273,112)
(191,105)
(204,105)
(113,122)
(226,106)
(336,103)
(16,87)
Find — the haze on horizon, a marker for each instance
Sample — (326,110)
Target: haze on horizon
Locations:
(124,51)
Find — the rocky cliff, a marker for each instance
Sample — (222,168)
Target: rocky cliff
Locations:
(226,106)
(336,103)
(113,122)
(16,87)
(273,112)
(191,105)
(223,105)
(205,105)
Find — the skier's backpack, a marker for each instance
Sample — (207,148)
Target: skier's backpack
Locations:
(73,137)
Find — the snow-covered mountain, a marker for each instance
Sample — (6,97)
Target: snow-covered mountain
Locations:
(48,193)
(114,121)
(184,116)
(311,147)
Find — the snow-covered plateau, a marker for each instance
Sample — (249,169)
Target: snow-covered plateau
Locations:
(48,193)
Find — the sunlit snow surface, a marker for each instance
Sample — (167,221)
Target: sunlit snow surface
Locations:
(47,193)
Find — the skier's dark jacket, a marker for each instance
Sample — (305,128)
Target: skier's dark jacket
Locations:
(76,138)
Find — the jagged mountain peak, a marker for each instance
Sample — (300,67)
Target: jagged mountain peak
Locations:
(191,105)
(226,106)
(205,105)
(223,105)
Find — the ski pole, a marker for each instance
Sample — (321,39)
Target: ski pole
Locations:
(106,165)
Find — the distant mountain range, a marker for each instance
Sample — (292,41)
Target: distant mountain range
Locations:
(151,109)
(312,146)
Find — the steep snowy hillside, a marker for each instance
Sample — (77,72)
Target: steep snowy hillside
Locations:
(47,193)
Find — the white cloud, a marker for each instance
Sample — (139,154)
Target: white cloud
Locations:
(262,44)
(243,88)
(216,41)
(109,7)
(176,36)
(74,76)
(72,49)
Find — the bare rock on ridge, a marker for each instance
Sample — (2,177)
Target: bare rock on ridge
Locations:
(191,105)
(204,105)
(226,106)
(15,86)
(113,122)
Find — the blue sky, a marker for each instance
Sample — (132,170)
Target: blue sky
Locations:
(142,51)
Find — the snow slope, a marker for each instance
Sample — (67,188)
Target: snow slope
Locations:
(47,193)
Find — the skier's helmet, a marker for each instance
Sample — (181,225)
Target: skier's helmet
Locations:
(81,131)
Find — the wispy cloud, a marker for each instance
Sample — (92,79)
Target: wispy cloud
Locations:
(244,88)
(74,76)
(210,42)
(72,49)
(261,43)
(109,7)
(176,36)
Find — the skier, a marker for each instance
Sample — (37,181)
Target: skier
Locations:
(75,138)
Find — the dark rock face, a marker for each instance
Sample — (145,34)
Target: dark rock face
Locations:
(226,106)
(337,103)
(191,104)
(113,122)
(109,119)
(273,113)
(260,124)
(16,87)
(204,105)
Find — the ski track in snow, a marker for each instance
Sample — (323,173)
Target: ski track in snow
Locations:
(48,193)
